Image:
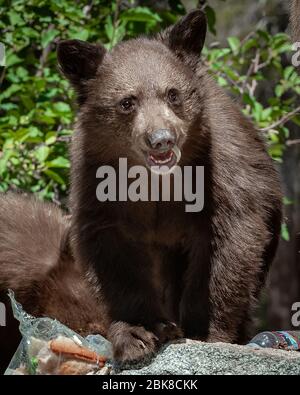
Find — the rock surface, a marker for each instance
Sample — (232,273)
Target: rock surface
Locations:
(200,358)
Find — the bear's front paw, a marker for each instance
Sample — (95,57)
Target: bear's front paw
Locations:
(131,343)
(167,331)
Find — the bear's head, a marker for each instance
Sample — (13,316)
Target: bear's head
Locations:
(140,100)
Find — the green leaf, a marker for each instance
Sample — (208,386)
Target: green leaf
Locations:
(249,44)
(221,53)
(61,107)
(15,18)
(264,34)
(2,56)
(248,99)
(288,71)
(258,111)
(42,153)
(287,201)
(12,59)
(4,159)
(54,176)
(10,91)
(48,36)
(285,234)
(265,116)
(211,19)
(222,81)
(141,14)
(276,151)
(80,34)
(59,162)
(21,72)
(109,28)
(234,44)
(50,138)
(279,90)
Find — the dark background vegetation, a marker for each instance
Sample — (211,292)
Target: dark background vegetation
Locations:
(248,51)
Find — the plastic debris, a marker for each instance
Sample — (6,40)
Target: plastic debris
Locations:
(284,340)
(49,347)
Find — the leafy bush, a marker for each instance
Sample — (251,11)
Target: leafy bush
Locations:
(36,102)
(254,67)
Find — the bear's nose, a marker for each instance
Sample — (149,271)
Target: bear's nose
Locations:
(161,140)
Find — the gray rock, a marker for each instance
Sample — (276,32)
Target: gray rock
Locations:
(192,357)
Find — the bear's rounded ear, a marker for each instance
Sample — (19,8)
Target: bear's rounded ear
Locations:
(79,60)
(188,34)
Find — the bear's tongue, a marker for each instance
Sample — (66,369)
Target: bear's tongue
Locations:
(162,162)
(162,158)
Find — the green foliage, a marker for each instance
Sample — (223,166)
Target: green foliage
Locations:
(285,234)
(36,110)
(253,66)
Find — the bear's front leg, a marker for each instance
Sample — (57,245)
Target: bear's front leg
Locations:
(194,308)
(223,279)
(125,274)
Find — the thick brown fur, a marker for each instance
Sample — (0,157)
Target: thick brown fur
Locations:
(155,263)
(295,20)
(35,262)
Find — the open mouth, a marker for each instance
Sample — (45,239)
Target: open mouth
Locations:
(163,162)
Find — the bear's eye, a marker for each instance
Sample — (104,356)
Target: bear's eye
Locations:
(127,104)
(173,96)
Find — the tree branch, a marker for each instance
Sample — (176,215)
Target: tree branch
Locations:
(115,21)
(282,121)
(87,9)
(293,142)
(45,53)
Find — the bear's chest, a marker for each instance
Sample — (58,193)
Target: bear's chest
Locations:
(160,223)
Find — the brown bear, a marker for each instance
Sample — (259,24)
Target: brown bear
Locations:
(36,263)
(164,272)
